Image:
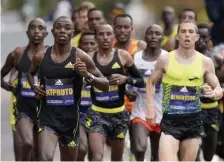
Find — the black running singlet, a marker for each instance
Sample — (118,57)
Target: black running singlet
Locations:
(62,85)
(115,96)
(26,100)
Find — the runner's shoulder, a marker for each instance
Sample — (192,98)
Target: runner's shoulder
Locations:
(205,59)
(38,57)
(18,51)
(82,55)
(141,45)
(124,55)
(165,56)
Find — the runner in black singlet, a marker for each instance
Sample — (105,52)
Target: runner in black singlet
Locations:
(61,70)
(108,117)
(26,103)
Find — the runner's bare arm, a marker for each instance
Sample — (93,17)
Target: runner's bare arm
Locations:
(85,66)
(150,87)
(212,80)
(134,78)
(7,67)
(33,69)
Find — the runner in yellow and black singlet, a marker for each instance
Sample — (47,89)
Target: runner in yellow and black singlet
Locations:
(108,117)
(184,70)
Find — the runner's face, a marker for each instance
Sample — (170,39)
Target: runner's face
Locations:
(83,20)
(37,31)
(187,35)
(75,19)
(123,29)
(63,31)
(202,43)
(88,44)
(154,36)
(188,16)
(95,18)
(168,17)
(104,37)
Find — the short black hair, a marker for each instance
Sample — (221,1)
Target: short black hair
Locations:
(94,9)
(61,17)
(86,33)
(123,16)
(203,25)
(188,9)
(185,22)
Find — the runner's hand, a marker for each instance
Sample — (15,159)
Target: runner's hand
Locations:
(151,116)
(10,87)
(80,68)
(39,91)
(208,91)
(117,79)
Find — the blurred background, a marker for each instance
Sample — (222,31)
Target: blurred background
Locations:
(15,15)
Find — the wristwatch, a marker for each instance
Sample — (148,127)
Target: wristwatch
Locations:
(34,86)
(90,78)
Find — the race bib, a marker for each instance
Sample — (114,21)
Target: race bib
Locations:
(26,90)
(111,95)
(59,92)
(184,100)
(85,97)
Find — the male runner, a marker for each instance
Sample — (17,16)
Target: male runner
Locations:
(188,14)
(95,18)
(61,70)
(184,70)
(26,103)
(170,29)
(210,109)
(145,61)
(87,44)
(12,83)
(108,117)
(123,27)
(81,24)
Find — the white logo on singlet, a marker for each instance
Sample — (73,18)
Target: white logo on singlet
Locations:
(184,89)
(59,82)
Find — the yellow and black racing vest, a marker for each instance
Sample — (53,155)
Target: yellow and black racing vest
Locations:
(181,86)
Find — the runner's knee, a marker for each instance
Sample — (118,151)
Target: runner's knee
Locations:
(46,156)
(83,148)
(97,156)
(28,144)
(140,147)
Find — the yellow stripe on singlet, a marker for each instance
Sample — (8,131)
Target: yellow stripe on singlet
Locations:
(166,38)
(108,110)
(12,118)
(209,105)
